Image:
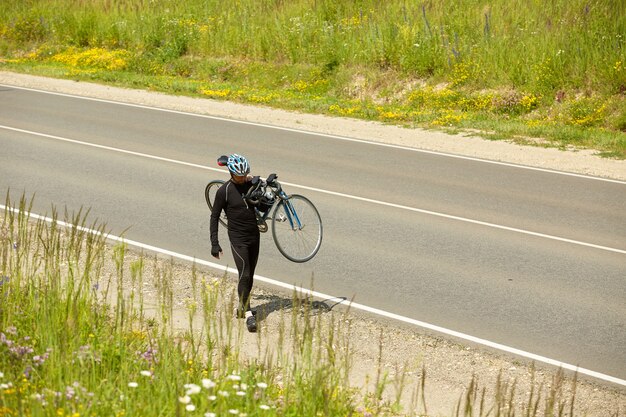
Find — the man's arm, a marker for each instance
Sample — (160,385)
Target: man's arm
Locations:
(218,206)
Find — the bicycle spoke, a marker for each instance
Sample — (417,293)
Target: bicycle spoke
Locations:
(297,243)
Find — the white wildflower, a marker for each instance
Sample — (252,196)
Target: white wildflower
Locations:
(192,389)
(208,384)
(184,400)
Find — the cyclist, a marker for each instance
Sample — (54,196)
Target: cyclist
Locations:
(243,231)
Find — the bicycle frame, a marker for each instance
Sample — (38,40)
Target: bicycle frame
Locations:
(289,208)
(279,195)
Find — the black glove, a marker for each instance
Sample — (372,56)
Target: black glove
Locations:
(215,250)
(256,194)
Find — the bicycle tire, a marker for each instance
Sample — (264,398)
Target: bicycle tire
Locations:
(209,196)
(297,244)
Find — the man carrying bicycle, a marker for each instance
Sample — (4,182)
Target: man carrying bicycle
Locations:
(243,231)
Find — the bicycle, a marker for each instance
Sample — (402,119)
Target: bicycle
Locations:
(296,223)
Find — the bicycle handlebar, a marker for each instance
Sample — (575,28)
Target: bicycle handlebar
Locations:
(259,189)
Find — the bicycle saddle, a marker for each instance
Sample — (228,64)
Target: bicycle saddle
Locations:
(222,160)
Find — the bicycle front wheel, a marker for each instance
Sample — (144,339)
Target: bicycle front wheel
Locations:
(297,228)
(209,196)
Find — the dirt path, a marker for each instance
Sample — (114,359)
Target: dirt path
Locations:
(449,365)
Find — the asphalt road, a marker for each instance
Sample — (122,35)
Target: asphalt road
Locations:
(530,259)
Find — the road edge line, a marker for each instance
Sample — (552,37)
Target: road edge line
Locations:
(349,304)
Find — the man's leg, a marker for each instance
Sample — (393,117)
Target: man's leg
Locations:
(253,252)
(241,254)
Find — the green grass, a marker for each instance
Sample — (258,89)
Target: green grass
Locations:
(556,71)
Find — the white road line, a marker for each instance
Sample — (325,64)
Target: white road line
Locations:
(357,306)
(110,148)
(326,135)
(462,219)
(334,193)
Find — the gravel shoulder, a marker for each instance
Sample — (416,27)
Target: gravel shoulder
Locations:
(449,364)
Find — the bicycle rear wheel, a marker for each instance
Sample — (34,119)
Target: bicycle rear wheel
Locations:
(209,195)
(297,228)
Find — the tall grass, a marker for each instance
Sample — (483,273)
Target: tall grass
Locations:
(524,68)
(82,334)
(540,47)
(76,338)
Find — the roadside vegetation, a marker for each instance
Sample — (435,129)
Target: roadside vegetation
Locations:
(77,338)
(87,329)
(543,73)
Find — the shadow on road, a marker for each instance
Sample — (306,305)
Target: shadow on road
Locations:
(274,303)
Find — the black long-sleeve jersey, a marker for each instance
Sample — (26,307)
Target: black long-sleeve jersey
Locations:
(242,226)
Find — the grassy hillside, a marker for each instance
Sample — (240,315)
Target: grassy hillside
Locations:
(520,69)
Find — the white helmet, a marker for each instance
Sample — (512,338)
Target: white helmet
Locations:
(238,165)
